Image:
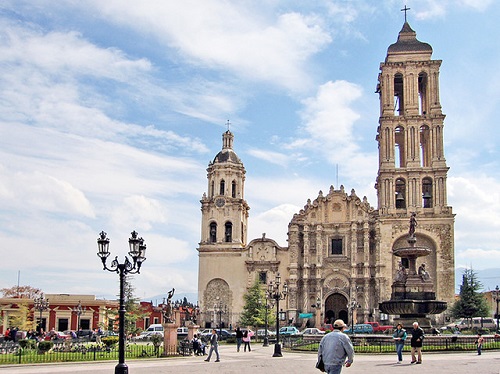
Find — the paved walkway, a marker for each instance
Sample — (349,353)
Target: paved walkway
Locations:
(260,361)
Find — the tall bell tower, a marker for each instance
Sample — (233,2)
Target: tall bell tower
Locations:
(412,168)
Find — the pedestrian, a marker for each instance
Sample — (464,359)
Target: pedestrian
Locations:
(246,340)
(479,343)
(399,339)
(239,338)
(335,349)
(214,346)
(417,339)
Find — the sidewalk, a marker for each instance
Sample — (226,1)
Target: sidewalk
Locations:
(260,361)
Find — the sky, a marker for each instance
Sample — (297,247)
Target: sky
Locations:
(110,112)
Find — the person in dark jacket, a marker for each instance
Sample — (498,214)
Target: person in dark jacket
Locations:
(399,337)
(417,339)
(239,338)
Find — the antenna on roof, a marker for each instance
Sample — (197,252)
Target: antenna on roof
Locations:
(405,9)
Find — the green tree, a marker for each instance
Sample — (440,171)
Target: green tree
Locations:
(471,302)
(254,310)
(22,318)
(133,308)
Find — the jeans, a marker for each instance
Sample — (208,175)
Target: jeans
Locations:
(238,343)
(213,348)
(333,369)
(399,351)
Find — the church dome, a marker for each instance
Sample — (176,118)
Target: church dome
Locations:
(227,154)
(409,44)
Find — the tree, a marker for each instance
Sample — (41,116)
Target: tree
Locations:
(23,292)
(133,308)
(471,302)
(22,318)
(254,312)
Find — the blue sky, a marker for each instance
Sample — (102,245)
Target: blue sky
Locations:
(111,110)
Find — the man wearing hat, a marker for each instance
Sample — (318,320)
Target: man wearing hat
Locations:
(335,348)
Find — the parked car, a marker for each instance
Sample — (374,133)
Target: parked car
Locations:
(477,322)
(57,335)
(223,334)
(360,328)
(262,333)
(182,332)
(233,333)
(327,327)
(312,331)
(377,327)
(289,330)
(146,335)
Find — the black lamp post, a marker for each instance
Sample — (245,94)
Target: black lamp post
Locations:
(220,309)
(79,310)
(352,305)
(496,298)
(41,304)
(266,328)
(274,293)
(137,252)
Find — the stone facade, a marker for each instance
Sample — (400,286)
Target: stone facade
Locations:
(339,262)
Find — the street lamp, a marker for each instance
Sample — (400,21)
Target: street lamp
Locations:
(137,252)
(274,293)
(318,311)
(496,298)
(42,304)
(351,306)
(79,310)
(220,309)
(266,309)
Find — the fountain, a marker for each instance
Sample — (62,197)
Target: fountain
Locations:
(413,296)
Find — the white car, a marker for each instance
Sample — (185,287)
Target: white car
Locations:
(312,331)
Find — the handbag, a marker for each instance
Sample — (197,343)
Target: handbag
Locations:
(320,365)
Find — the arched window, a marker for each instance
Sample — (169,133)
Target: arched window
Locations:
(422,94)
(399,147)
(398,95)
(213,232)
(425,146)
(400,193)
(427,192)
(228,234)
(222,187)
(233,189)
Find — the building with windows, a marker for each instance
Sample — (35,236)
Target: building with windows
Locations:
(339,261)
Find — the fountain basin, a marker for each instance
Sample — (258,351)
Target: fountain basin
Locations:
(413,307)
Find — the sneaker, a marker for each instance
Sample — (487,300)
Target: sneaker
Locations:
(419,362)
(413,362)
(207,360)
(217,360)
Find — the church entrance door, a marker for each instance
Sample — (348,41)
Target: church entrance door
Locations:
(336,308)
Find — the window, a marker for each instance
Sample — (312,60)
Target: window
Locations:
(422,93)
(62,324)
(213,232)
(146,322)
(233,189)
(427,193)
(84,324)
(400,193)
(425,146)
(263,277)
(228,232)
(157,320)
(222,187)
(336,247)
(398,95)
(399,147)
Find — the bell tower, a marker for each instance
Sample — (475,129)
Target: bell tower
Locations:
(412,168)
(224,209)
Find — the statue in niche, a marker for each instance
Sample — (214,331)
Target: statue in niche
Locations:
(424,274)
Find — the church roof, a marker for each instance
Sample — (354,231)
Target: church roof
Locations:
(227,154)
(408,43)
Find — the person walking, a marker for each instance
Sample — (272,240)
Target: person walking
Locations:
(479,343)
(246,340)
(335,348)
(399,339)
(417,339)
(214,346)
(239,338)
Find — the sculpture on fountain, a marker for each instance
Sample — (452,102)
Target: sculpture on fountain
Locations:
(413,296)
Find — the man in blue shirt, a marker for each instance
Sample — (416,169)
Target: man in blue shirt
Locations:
(335,348)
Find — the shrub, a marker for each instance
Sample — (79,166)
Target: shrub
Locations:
(110,341)
(45,346)
(27,343)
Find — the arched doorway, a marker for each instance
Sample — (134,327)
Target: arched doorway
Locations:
(336,308)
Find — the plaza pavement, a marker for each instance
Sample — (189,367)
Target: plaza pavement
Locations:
(260,361)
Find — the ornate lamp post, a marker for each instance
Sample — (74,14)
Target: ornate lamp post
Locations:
(220,309)
(79,310)
(318,311)
(266,309)
(496,299)
(274,293)
(352,306)
(137,252)
(41,304)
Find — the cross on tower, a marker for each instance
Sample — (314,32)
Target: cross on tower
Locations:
(405,9)
(228,124)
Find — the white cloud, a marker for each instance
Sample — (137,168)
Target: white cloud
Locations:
(270,156)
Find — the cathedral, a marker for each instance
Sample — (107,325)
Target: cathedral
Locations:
(339,261)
